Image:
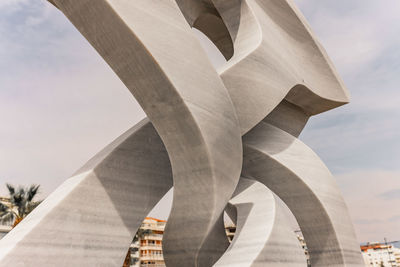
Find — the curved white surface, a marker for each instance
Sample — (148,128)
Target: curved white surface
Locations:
(90,220)
(150,46)
(295,173)
(276,77)
(263,236)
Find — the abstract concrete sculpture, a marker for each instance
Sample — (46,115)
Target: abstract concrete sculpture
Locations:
(263,236)
(205,130)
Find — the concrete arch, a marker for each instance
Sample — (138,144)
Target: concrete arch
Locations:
(150,46)
(263,236)
(90,220)
(274,53)
(292,171)
(277,76)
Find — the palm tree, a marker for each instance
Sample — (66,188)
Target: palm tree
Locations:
(21,203)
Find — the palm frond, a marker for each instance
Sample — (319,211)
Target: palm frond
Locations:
(6,213)
(11,189)
(7,217)
(31,206)
(21,191)
(3,208)
(21,199)
(32,192)
(17,198)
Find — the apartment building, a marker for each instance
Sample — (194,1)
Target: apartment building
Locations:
(379,255)
(230,231)
(396,254)
(146,248)
(303,244)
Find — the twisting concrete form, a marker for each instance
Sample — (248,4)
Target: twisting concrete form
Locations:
(263,236)
(205,130)
(90,220)
(293,171)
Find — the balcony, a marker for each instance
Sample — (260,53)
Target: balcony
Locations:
(151,247)
(154,227)
(152,258)
(153,237)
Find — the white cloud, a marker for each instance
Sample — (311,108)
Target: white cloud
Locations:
(45,13)
(354,33)
(360,140)
(59,102)
(54,124)
(11,5)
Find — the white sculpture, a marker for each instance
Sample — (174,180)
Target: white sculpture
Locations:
(276,77)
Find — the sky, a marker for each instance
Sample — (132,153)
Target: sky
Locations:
(60,103)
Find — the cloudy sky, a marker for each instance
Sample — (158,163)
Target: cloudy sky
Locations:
(60,103)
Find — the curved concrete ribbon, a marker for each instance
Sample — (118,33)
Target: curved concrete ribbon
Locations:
(274,53)
(150,46)
(90,220)
(263,236)
(276,77)
(202,15)
(295,173)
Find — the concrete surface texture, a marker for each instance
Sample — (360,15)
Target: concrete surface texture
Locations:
(263,235)
(276,77)
(91,219)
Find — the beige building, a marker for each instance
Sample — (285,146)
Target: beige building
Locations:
(303,244)
(5,200)
(230,231)
(396,254)
(146,248)
(379,255)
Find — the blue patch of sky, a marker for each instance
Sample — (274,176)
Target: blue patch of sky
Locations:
(363,134)
(34,36)
(390,195)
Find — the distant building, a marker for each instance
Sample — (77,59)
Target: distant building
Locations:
(379,255)
(146,248)
(230,231)
(5,200)
(303,244)
(396,254)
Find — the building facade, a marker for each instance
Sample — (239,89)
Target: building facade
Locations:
(230,231)
(303,244)
(396,253)
(379,255)
(146,248)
